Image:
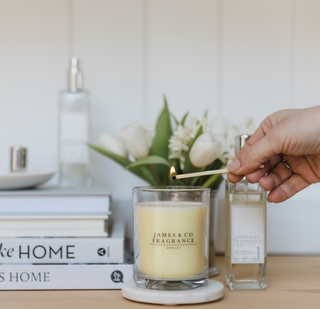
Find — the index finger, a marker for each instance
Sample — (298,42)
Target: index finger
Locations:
(256,136)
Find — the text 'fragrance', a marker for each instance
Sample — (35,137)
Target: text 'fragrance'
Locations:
(246,233)
(74,131)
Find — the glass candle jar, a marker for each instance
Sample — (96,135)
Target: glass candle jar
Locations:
(171,237)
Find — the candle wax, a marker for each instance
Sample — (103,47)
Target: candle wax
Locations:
(172,240)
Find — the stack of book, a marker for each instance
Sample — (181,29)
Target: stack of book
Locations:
(55,238)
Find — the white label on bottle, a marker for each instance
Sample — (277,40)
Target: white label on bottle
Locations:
(247,232)
(73,135)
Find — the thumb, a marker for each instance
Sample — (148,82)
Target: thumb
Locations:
(256,152)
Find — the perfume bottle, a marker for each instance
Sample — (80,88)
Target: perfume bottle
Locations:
(246,233)
(74,131)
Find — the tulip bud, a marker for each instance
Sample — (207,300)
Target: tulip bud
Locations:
(206,149)
(135,138)
(219,126)
(231,136)
(112,143)
(246,127)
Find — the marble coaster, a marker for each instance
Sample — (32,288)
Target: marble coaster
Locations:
(212,291)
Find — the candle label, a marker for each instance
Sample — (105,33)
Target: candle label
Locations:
(172,238)
(247,230)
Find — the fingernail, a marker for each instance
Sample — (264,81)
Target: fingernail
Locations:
(269,200)
(234,165)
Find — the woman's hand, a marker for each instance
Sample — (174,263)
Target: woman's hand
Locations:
(289,135)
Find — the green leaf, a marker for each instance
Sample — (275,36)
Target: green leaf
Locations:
(160,143)
(182,121)
(148,176)
(205,113)
(176,182)
(147,161)
(188,165)
(195,179)
(184,118)
(141,172)
(149,171)
(210,181)
(217,183)
(215,165)
(175,119)
(214,179)
(121,160)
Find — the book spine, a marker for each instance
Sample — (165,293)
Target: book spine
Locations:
(52,204)
(62,277)
(61,250)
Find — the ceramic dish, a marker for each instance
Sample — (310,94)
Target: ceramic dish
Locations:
(24,180)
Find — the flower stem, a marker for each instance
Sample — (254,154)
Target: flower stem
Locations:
(156,176)
(211,180)
(188,179)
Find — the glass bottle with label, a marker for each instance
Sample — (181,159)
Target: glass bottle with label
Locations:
(246,233)
(74,131)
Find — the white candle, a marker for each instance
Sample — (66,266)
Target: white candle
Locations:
(172,240)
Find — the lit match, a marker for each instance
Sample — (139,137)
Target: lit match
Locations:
(205,173)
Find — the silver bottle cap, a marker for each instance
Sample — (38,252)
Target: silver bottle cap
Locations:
(75,75)
(18,159)
(240,141)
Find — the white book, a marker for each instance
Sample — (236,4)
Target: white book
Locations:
(53,225)
(65,250)
(64,277)
(54,200)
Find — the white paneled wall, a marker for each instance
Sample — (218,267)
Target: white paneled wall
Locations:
(109,36)
(306,50)
(33,52)
(256,57)
(182,56)
(236,58)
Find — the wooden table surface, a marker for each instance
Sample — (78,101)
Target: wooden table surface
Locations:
(293,282)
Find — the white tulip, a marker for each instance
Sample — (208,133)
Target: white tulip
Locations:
(246,127)
(206,149)
(219,126)
(136,139)
(179,143)
(180,139)
(148,131)
(231,136)
(112,143)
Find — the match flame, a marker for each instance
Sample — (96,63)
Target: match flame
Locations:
(172,171)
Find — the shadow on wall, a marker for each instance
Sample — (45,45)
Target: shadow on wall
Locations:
(121,210)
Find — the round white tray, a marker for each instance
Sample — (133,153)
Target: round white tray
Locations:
(24,180)
(212,291)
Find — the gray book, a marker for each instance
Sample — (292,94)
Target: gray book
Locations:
(44,250)
(64,277)
(55,201)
